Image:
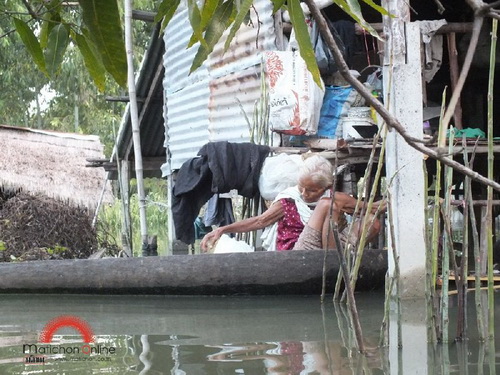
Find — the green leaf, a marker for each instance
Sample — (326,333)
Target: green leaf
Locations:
(31,43)
(208,11)
(352,8)
(44,32)
(91,59)
(303,39)
(195,20)
(240,17)
(166,11)
(277,5)
(221,20)
(206,15)
(2,246)
(378,8)
(50,20)
(102,18)
(56,47)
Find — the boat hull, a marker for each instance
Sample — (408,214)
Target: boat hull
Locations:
(260,273)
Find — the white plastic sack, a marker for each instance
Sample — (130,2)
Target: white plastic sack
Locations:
(226,244)
(278,173)
(295,99)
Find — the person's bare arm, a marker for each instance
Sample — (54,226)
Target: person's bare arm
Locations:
(347,203)
(269,217)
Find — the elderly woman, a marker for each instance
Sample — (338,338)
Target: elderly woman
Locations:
(302,209)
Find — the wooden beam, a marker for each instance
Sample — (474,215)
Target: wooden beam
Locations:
(150,164)
(452,27)
(478,202)
(454,73)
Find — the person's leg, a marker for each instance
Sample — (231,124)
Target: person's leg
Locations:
(373,227)
(320,221)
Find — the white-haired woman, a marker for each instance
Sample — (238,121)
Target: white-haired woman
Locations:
(305,206)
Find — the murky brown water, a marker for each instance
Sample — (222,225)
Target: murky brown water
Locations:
(217,335)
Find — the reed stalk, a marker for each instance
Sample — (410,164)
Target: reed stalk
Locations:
(430,290)
(445,255)
(340,319)
(325,254)
(462,355)
(489,191)
(475,240)
(462,324)
(338,283)
(448,247)
(460,281)
(445,362)
(366,223)
(480,358)
(492,356)
(350,293)
(258,125)
(436,219)
(397,273)
(325,339)
(384,327)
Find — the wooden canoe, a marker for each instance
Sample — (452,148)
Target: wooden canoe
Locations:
(258,273)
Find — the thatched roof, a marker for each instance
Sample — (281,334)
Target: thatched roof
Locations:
(52,164)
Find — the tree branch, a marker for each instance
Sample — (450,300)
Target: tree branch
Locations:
(30,9)
(492,5)
(389,118)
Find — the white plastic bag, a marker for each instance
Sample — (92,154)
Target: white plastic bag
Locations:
(226,244)
(295,99)
(278,173)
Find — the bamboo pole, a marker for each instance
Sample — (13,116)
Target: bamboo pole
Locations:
(489,190)
(134,119)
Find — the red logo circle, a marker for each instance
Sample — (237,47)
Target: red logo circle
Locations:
(67,321)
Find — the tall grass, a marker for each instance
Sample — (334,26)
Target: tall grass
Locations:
(110,217)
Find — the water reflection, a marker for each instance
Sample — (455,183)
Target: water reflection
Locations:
(203,335)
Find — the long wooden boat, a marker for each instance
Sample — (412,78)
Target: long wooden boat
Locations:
(258,273)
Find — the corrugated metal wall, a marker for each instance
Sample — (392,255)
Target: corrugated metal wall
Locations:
(203,106)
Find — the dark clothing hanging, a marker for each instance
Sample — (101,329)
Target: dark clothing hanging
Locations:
(220,167)
(188,195)
(219,211)
(235,166)
(346,33)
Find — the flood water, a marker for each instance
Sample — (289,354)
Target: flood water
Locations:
(220,335)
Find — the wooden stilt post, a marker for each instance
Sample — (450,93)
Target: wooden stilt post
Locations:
(125,196)
(454,73)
